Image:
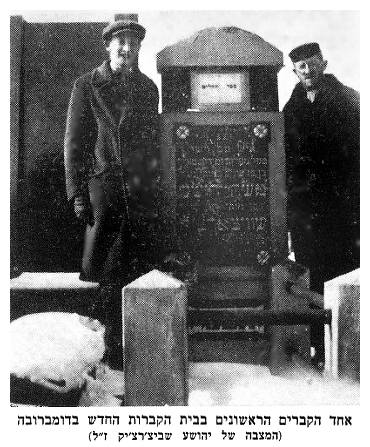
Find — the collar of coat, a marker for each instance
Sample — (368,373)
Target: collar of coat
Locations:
(102,79)
(103,75)
(330,90)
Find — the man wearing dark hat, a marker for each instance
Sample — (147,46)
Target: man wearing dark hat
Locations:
(111,158)
(322,122)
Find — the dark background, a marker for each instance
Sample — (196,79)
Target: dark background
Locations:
(46,58)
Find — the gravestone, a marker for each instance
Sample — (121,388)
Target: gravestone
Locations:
(223,176)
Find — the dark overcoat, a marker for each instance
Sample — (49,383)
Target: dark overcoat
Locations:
(112,158)
(323,178)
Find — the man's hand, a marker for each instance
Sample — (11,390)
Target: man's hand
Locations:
(82,209)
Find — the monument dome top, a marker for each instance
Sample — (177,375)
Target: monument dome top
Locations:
(220,47)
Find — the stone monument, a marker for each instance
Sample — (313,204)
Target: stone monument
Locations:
(223,162)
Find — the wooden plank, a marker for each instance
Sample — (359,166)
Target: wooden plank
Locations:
(155,341)
(245,316)
(34,292)
(51,281)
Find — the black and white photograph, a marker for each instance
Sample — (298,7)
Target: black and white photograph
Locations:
(184,224)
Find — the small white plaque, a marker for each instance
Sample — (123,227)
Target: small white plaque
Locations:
(218,88)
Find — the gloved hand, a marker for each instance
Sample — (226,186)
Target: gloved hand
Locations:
(83,210)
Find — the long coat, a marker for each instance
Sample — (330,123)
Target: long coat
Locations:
(112,158)
(323,178)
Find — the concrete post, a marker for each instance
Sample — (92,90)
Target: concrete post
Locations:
(155,341)
(342,338)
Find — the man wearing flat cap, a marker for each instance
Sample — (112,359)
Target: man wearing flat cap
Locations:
(322,124)
(322,120)
(112,159)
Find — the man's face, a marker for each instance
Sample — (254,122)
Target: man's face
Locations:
(310,71)
(123,50)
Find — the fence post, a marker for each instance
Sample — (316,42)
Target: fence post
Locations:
(289,339)
(342,338)
(155,341)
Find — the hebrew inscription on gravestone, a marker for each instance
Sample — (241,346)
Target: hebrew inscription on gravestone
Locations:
(223,192)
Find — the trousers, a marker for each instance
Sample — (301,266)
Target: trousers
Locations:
(123,241)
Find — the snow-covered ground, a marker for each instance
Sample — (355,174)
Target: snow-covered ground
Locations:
(238,384)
